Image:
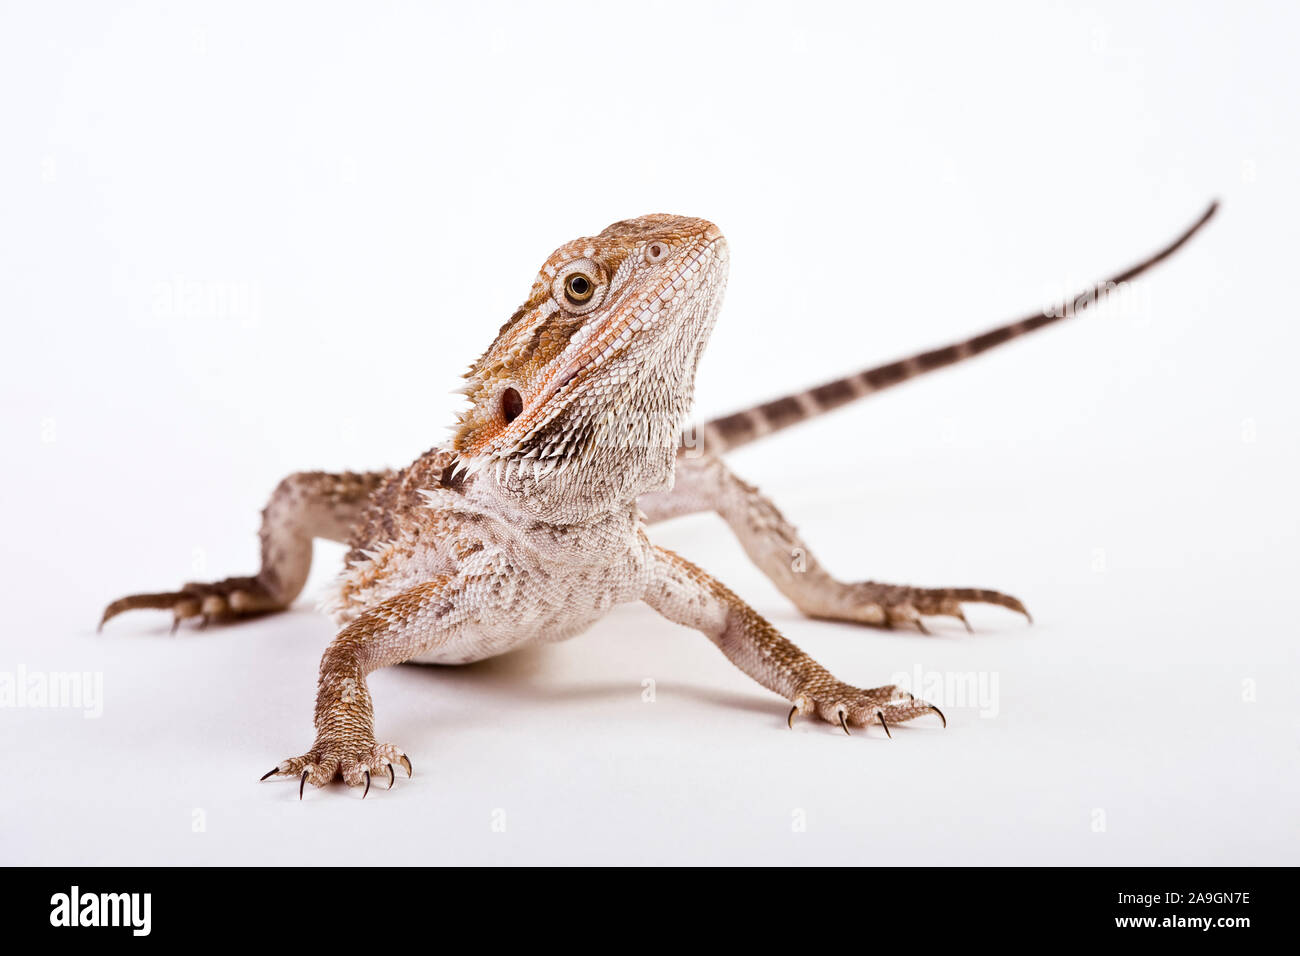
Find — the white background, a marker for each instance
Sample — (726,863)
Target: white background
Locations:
(238,241)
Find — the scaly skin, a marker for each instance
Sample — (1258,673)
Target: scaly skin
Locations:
(532,524)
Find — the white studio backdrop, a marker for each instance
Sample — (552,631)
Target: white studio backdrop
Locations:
(239,240)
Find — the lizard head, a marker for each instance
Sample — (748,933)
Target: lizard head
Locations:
(577,405)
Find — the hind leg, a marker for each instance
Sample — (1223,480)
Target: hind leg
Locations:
(772,543)
(306,505)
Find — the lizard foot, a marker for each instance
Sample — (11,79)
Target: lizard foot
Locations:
(225,600)
(842,704)
(356,763)
(889,605)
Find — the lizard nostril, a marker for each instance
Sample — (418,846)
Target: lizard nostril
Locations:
(655,252)
(512,404)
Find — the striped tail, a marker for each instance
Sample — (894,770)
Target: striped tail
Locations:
(723,434)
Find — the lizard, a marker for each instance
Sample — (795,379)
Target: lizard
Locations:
(531,523)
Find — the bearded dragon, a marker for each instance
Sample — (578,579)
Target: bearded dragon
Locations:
(532,524)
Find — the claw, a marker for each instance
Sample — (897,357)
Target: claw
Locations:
(270,773)
(133,601)
(302,783)
(961,616)
(920,625)
(844,723)
(790,719)
(881,717)
(1014,604)
(367,790)
(392,776)
(406,761)
(940,713)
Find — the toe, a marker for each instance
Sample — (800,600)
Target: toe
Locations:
(905,613)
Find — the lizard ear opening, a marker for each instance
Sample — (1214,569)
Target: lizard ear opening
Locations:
(512,404)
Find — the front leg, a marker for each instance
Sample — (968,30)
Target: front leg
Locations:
(392,631)
(773,543)
(683,593)
(306,505)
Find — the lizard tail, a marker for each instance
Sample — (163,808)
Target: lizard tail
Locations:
(723,434)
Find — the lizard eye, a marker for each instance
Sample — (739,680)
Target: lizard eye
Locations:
(578,288)
(512,404)
(656,252)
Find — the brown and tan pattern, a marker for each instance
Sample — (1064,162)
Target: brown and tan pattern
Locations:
(532,524)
